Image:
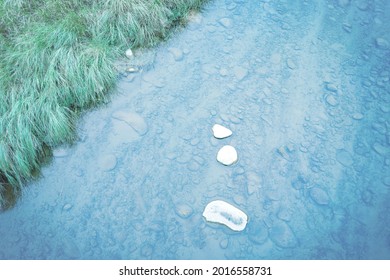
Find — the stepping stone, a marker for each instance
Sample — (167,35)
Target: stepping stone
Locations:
(221,212)
(227,155)
(129,54)
(221,132)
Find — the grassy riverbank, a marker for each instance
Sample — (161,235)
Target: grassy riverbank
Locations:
(57,59)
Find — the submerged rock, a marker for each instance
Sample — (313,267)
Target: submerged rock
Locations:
(221,132)
(382,43)
(221,212)
(132,119)
(184,210)
(227,155)
(319,196)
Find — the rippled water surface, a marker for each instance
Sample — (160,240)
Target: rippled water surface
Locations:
(303,85)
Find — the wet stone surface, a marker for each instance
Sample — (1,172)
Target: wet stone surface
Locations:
(303,85)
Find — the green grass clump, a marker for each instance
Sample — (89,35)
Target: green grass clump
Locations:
(57,59)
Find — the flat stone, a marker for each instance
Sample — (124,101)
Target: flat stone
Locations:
(221,132)
(227,155)
(221,212)
(132,119)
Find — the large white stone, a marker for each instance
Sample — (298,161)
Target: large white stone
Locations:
(221,212)
(227,155)
(220,131)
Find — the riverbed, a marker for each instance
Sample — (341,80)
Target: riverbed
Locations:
(304,88)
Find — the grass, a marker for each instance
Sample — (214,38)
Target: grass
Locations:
(56,60)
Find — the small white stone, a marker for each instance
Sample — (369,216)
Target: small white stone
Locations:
(129,53)
(220,131)
(227,155)
(221,212)
(131,70)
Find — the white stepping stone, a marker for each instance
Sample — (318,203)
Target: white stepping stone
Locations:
(227,155)
(221,132)
(221,212)
(129,54)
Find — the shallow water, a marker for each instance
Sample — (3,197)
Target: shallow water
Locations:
(305,89)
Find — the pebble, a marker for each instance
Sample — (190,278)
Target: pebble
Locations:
(221,132)
(67,207)
(331,100)
(382,43)
(184,211)
(129,54)
(331,87)
(131,70)
(227,155)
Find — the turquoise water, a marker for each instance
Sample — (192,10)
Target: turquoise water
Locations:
(305,89)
